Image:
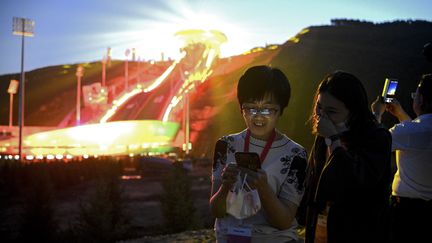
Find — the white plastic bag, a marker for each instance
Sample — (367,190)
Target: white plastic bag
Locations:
(242,202)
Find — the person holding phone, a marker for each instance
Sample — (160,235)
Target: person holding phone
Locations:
(411,199)
(348,176)
(263,93)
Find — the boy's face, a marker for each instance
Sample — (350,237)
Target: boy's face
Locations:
(261,117)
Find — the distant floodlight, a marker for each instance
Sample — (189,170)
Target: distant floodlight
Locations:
(127,52)
(79,73)
(13,88)
(23,27)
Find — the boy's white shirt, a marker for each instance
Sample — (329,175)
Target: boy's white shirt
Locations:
(281,178)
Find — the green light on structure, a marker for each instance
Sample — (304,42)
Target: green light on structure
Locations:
(112,138)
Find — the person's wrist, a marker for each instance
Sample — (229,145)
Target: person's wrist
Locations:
(377,115)
(335,144)
(329,140)
(264,190)
(226,187)
(328,133)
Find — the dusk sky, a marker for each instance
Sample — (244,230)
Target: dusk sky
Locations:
(77,31)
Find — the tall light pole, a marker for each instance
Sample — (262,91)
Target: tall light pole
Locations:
(23,27)
(186,122)
(104,62)
(109,56)
(13,87)
(79,73)
(133,54)
(127,52)
(138,70)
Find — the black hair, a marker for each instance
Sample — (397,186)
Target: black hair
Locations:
(258,81)
(425,89)
(349,90)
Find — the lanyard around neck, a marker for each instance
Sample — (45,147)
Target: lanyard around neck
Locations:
(266,147)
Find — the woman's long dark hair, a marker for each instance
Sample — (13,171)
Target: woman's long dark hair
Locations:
(349,90)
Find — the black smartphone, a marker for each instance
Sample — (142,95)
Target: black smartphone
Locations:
(248,160)
(389,90)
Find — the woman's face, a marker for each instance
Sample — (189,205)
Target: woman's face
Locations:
(261,117)
(334,109)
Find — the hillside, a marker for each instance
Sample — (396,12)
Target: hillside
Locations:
(51,91)
(370,51)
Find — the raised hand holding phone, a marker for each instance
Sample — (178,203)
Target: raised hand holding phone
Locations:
(396,110)
(389,90)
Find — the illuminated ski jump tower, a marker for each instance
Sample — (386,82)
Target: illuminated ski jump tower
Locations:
(200,50)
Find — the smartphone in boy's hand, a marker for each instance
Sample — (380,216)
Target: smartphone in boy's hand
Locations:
(248,160)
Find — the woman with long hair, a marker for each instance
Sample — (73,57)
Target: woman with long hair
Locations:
(348,174)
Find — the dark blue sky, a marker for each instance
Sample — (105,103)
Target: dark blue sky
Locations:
(78,31)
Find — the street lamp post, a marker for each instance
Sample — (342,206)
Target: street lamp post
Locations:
(186,123)
(13,87)
(127,52)
(79,73)
(104,62)
(109,56)
(10,109)
(138,70)
(23,27)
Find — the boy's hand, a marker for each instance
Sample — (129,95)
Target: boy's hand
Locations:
(229,175)
(256,179)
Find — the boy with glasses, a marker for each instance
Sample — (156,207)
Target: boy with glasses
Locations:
(263,93)
(411,200)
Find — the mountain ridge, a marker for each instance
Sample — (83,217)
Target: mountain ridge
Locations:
(370,51)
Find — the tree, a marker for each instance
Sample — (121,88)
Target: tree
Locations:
(177,205)
(38,223)
(104,217)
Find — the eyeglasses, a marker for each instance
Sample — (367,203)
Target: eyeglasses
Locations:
(413,95)
(263,112)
